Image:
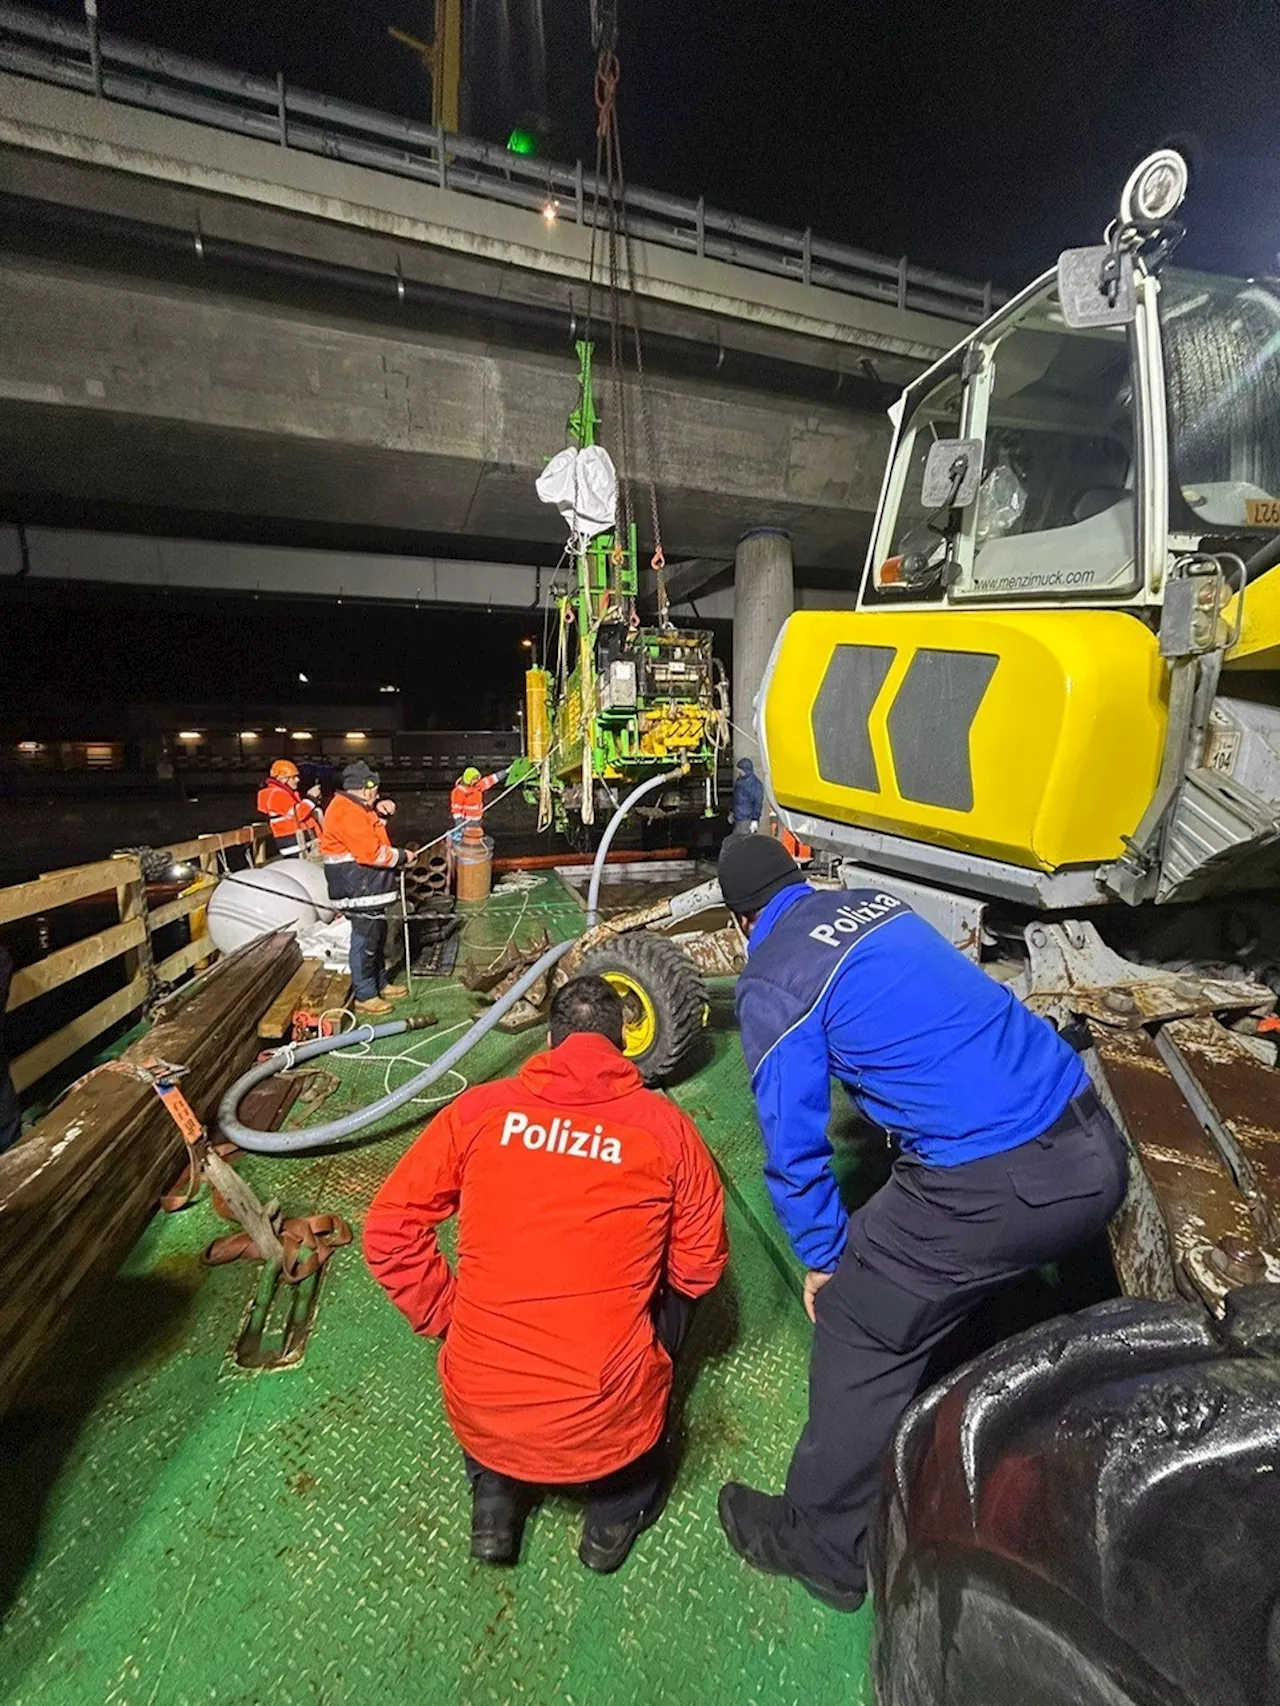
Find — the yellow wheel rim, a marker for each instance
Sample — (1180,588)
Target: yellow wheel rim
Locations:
(639,1017)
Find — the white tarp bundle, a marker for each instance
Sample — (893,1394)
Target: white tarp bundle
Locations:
(583,485)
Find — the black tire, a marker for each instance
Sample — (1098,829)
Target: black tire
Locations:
(1086,1516)
(673,986)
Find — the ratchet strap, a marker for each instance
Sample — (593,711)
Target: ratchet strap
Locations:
(307,1240)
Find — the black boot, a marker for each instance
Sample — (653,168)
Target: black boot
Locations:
(497,1516)
(755,1526)
(605,1546)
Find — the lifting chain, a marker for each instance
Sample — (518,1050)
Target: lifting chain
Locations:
(610,189)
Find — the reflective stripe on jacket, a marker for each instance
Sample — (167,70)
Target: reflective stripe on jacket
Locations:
(286,811)
(466,802)
(359,861)
(578,1193)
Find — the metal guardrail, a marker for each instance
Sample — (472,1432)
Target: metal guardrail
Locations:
(49,49)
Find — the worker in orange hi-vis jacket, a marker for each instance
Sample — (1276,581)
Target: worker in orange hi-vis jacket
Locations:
(466,802)
(294,820)
(590,1217)
(360,866)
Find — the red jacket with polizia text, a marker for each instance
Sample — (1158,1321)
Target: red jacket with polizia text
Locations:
(289,812)
(577,1192)
(466,802)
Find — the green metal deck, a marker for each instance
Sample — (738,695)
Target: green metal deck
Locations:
(181,1532)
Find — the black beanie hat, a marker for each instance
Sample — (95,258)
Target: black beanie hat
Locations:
(754,868)
(357,776)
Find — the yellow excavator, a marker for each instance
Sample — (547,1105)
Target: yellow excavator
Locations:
(1059,687)
(1052,723)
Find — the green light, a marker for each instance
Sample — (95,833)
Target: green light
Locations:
(522,142)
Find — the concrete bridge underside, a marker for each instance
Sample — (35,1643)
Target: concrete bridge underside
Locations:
(115,390)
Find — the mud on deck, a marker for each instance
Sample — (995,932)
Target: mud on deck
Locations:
(181,1532)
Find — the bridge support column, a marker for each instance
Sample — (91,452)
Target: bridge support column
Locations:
(763,598)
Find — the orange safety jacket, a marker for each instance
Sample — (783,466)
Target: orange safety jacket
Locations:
(288,814)
(466,802)
(359,860)
(578,1194)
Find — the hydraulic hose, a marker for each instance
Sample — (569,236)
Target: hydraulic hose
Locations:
(319,1136)
(597,869)
(334,1131)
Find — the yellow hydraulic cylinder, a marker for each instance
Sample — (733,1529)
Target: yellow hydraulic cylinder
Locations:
(537,714)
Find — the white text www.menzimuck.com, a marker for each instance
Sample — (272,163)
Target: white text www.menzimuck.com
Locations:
(1027,583)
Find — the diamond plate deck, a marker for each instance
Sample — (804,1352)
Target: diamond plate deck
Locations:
(181,1532)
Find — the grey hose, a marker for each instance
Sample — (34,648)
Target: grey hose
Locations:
(597,870)
(318,1136)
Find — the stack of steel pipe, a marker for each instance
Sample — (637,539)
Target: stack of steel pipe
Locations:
(77,1191)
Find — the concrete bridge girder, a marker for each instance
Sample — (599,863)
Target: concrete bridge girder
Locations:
(160,395)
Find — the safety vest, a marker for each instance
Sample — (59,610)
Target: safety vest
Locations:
(466,802)
(288,814)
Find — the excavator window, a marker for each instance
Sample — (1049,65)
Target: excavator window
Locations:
(1222,370)
(905,558)
(1055,512)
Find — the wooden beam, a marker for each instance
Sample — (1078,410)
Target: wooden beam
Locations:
(67,963)
(73,1037)
(80,1187)
(42,894)
(172,910)
(202,844)
(201,949)
(277,1021)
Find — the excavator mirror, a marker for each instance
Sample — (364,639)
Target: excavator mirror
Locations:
(1095,287)
(951,473)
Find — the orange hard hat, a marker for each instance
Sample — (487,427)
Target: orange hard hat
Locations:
(284,770)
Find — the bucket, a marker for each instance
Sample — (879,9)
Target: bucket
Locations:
(473,869)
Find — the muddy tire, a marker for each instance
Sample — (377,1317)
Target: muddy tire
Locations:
(1086,1516)
(664,999)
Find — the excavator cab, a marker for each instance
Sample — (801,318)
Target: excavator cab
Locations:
(1058,685)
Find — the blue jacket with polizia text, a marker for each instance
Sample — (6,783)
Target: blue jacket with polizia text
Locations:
(853,984)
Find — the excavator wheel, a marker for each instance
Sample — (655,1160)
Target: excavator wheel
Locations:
(663,996)
(1086,1516)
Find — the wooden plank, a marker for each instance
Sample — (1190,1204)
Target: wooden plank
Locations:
(33,1065)
(172,910)
(277,1021)
(201,949)
(204,844)
(42,894)
(68,963)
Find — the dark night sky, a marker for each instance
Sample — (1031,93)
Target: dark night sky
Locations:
(974,137)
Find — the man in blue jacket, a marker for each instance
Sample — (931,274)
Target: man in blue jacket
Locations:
(748,799)
(1007,1161)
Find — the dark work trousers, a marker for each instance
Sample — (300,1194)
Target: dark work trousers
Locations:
(624,1494)
(928,1247)
(368,954)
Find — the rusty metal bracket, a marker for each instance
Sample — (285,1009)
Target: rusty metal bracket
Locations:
(1073,974)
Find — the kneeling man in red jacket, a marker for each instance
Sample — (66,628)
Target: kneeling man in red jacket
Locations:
(590,1216)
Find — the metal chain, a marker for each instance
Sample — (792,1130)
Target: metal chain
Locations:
(658,561)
